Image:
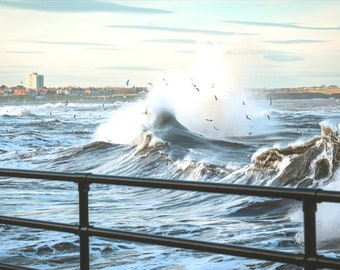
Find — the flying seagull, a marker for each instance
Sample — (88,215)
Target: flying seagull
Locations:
(211,121)
(195,86)
(248,117)
(127,82)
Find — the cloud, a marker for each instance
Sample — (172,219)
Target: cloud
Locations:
(25,52)
(183,41)
(72,43)
(297,41)
(272,55)
(102,49)
(185,51)
(322,74)
(278,57)
(131,68)
(19,66)
(282,25)
(177,30)
(240,51)
(78,6)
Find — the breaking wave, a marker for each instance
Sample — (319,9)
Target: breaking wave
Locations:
(312,163)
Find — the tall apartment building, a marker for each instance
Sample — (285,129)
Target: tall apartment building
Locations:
(34,81)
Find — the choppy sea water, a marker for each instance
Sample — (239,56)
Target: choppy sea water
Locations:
(225,139)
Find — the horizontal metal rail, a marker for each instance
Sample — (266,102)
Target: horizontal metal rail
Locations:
(261,191)
(254,253)
(309,197)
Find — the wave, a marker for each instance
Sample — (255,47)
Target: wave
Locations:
(209,110)
(14,111)
(58,105)
(312,163)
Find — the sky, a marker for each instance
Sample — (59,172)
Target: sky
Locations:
(253,44)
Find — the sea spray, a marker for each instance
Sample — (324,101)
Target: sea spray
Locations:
(327,218)
(124,125)
(201,99)
(328,215)
(211,112)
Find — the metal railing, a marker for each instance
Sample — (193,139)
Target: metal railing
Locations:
(309,259)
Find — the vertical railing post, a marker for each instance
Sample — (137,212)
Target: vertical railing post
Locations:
(83,188)
(309,209)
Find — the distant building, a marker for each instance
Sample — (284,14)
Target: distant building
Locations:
(35,81)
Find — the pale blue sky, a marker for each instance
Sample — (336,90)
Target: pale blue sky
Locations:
(99,43)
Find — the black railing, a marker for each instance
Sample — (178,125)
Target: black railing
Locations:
(310,259)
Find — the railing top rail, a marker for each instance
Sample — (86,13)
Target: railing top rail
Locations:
(247,190)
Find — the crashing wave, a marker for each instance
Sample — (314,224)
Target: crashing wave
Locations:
(15,112)
(189,169)
(308,164)
(146,141)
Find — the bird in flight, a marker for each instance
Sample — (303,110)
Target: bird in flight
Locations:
(195,86)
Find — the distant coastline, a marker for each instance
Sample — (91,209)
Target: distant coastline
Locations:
(21,99)
(331,91)
(21,95)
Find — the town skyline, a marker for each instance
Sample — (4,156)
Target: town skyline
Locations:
(126,85)
(250,43)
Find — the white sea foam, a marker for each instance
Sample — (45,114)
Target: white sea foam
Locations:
(328,214)
(327,217)
(124,126)
(14,111)
(54,105)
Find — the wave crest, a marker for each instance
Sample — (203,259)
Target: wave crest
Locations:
(306,164)
(146,141)
(15,111)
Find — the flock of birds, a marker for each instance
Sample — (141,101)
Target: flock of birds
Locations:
(196,88)
(248,118)
(216,99)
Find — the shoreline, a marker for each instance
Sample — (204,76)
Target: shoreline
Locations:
(259,94)
(300,96)
(25,99)
(301,93)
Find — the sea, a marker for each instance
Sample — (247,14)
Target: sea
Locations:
(179,132)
